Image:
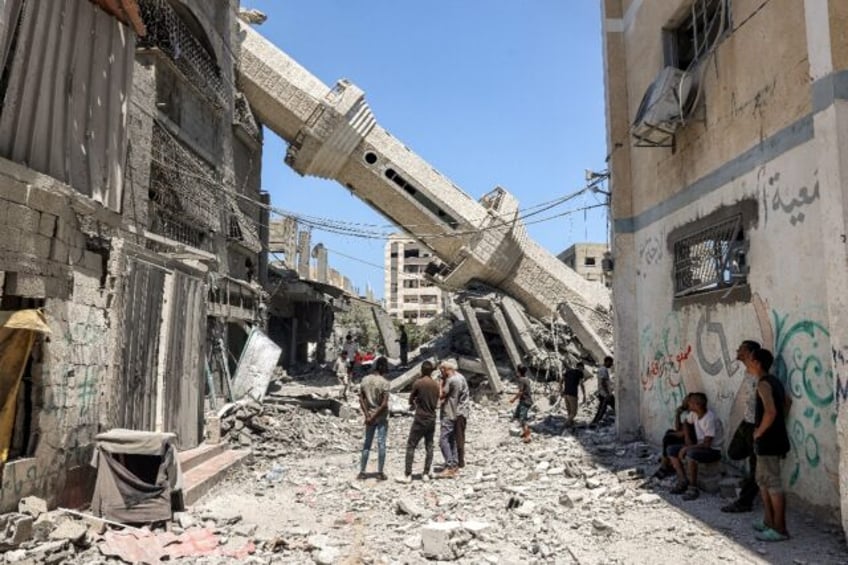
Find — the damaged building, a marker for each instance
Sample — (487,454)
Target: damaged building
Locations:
(729,207)
(129,183)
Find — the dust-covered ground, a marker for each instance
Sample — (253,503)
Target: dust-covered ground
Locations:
(569,496)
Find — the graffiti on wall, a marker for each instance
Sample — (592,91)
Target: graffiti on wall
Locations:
(788,201)
(676,359)
(650,253)
(803,365)
(713,366)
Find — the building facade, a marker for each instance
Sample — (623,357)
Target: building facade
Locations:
(409,296)
(129,192)
(587,259)
(726,126)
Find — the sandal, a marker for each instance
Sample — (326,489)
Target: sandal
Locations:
(771,535)
(691,493)
(760,526)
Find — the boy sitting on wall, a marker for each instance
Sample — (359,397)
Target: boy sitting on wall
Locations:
(707,449)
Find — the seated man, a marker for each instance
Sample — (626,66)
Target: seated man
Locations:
(707,449)
(682,434)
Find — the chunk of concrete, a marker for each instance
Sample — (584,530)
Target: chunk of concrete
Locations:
(445,541)
(70,530)
(33,506)
(15,529)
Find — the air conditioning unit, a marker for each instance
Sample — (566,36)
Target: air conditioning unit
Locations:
(659,114)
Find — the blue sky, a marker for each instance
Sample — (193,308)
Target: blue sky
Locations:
(490,92)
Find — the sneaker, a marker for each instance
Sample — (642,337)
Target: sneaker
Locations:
(426,477)
(382,477)
(735,507)
(691,493)
(680,488)
(406,479)
(361,477)
(448,473)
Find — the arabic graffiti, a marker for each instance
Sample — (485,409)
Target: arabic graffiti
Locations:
(806,372)
(651,251)
(725,361)
(665,358)
(794,207)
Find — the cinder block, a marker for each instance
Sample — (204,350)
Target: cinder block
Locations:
(10,238)
(59,251)
(47,224)
(13,190)
(26,285)
(42,245)
(44,200)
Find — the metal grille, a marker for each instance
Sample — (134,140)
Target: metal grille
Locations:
(702,261)
(185,197)
(167,32)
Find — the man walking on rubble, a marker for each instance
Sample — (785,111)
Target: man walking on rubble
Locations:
(524,396)
(340,368)
(403,341)
(605,395)
(453,390)
(424,398)
(350,348)
(374,401)
(572,381)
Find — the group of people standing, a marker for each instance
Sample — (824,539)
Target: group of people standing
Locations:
(761,437)
(448,392)
(573,382)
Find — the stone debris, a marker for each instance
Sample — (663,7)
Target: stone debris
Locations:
(15,529)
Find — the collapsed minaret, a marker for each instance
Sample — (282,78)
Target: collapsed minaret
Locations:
(333,134)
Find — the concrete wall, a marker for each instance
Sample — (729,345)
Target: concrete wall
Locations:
(44,257)
(765,139)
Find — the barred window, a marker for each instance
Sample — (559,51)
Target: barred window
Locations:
(711,258)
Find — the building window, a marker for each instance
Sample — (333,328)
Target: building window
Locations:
(422,199)
(711,258)
(688,40)
(589,261)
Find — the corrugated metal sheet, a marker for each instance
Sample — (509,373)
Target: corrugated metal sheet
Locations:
(65,108)
(184,368)
(143,292)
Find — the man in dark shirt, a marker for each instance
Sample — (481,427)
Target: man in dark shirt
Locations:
(524,396)
(572,381)
(425,399)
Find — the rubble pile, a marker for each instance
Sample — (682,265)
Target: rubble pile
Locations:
(569,496)
(278,430)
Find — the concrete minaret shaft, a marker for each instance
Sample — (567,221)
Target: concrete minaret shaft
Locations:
(333,134)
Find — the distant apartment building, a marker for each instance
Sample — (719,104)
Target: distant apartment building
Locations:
(409,296)
(586,259)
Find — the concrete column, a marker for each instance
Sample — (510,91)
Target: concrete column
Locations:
(387,332)
(482,347)
(506,336)
(624,294)
(520,326)
(303,245)
(399,383)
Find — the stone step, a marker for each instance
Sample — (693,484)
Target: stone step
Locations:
(191,458)
(198,480)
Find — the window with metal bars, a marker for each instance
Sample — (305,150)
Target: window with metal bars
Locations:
(711,258)
(700,30)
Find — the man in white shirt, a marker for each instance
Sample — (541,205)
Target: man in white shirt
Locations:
(709,435)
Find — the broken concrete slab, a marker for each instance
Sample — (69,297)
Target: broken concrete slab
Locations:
(506,335)
(445,541)
(401,382)
(33,506)
(70,530)
(520,326)
(482,347)
(15,529)
(588,337)
(387,331)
